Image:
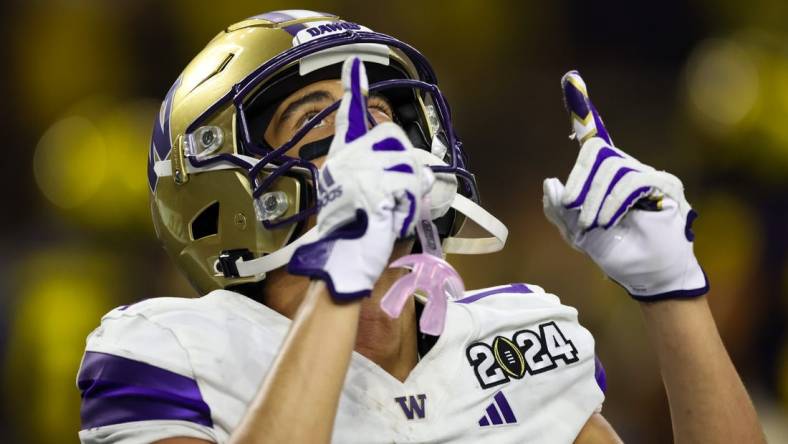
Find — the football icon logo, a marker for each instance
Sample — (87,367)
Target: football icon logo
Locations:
(527,352)
(508,357)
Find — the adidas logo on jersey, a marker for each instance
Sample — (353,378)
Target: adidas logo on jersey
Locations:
(499,412)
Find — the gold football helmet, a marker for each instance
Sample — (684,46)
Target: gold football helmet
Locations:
(228,207)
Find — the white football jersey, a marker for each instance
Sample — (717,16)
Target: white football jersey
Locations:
(512,365)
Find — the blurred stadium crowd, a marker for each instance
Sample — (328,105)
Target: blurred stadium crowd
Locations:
(698,88)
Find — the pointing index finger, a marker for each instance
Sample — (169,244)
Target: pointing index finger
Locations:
(586,121)
(351,118)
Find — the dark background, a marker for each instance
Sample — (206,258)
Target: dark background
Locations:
(698,88)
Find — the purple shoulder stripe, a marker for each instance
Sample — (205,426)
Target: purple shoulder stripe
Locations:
(511,288)
(117,390)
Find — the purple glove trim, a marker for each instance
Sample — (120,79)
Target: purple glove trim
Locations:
(601,131)
(688,233)
(619,175)
(388,144)
(357,126)
(628,203)
(575,101)
(411,214)
(599,374)
(580,104)
(603,154)
(309,259)
(400,168)
(675,294)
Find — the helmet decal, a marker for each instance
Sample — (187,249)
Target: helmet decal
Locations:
(161,142)
(323,28)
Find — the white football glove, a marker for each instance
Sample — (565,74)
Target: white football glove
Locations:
(632,220)
(369,193)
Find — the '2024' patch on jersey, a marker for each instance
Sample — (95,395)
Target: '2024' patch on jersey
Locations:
(527,352)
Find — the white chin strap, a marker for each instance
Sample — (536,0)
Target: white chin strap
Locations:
(451,245)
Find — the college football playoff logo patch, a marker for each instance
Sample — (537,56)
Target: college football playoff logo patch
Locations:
(528,352)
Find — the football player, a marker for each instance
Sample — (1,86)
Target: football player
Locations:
(295,114)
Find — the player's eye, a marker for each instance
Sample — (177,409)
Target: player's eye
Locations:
(378,103)
(307,117)
(375,104)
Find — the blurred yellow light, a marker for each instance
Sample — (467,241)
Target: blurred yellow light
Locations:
(729,249)
(66,50)
(738,93)
(722,84)
(70,162)
(729,253)
(774,118)
(122,200)
(93,163)
(62,296)
(782,375)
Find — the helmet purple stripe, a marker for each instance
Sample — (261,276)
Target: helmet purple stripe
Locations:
(293,29)
(281,17)
(275,16)
(152,178)
(161,141)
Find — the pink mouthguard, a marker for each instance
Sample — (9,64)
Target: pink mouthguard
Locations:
(435,277)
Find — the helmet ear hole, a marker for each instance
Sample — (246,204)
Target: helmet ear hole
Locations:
(206,223)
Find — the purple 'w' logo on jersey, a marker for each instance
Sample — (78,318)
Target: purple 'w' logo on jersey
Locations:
(412,406)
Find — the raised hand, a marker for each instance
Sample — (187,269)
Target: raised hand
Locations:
(370,189)
(631,219)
